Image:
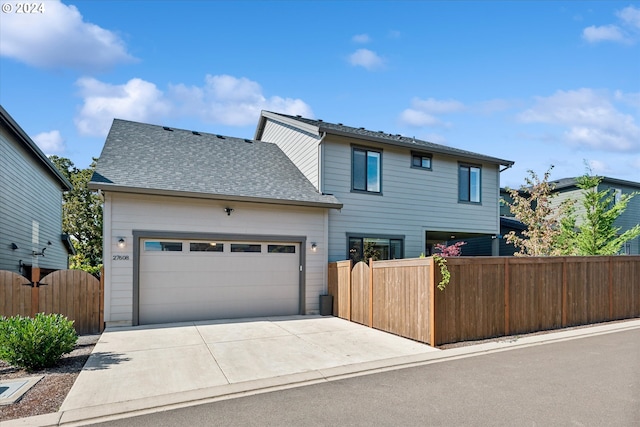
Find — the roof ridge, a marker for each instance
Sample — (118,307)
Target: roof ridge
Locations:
(393,139)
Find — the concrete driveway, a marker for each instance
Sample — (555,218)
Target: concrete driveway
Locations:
(149,366)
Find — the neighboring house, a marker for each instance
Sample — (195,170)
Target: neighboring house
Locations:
(401,195)
(567,188)
(200,226)
(30,205)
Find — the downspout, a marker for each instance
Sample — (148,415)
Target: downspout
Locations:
(495,243)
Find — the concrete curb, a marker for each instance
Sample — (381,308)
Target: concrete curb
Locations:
(113,411)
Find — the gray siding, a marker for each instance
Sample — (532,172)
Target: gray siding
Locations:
(299,146)
(626,221)
(412,200)
(631,216)
(28,194)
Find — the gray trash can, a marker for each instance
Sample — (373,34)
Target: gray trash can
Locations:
(326,305)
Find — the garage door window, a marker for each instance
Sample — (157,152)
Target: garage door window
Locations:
(206,247)
(282,249)
(245,247)
(150,246)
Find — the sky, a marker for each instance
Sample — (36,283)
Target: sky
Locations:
(540,83)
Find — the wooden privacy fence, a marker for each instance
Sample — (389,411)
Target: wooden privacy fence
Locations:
(487,296)
(75,294)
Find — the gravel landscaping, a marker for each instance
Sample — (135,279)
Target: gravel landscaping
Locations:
(49,393)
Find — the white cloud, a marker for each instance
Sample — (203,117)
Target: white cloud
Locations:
(595,34)
(631,99)
(417,118)
(366,58)
(590,118)
(361,38)
(630,16)
(50,142)
(626,32)
(599,167)
(222,99)
(136,100)
(232,101)
(423,111)
(60,38)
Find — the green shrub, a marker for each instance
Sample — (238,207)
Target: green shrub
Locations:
(35,343)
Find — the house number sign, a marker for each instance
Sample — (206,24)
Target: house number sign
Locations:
(121,257)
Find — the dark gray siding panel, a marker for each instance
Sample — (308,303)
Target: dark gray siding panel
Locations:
(28,196)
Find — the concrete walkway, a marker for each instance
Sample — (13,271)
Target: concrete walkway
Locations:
(145,369)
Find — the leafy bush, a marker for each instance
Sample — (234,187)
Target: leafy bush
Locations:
(35,343)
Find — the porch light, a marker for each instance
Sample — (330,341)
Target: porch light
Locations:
(314,247)
(121,242)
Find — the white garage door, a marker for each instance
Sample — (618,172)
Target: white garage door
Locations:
(185,280)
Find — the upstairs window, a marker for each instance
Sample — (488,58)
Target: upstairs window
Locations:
(366,170)
(421,161)
(469,183)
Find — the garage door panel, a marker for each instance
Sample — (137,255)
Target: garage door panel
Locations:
(186,286)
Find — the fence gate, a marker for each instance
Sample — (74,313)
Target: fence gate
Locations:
(75,294)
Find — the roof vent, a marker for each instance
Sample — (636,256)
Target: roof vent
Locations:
(195,133)
(298,115)
(167,128)
(361,128)
(220,136)
(380,131)
(319,120)
(249,141)
(340,124)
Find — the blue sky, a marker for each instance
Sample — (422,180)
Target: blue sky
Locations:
(540,83)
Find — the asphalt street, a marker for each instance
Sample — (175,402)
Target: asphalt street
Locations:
(592,381)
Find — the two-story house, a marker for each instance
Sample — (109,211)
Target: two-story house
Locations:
(30,204)
(201,226)
(401,195)
(567,188)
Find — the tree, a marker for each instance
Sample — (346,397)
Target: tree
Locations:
(533,206)
(597,233)
(81,215)
(451,250)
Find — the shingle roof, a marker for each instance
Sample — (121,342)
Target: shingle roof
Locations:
(382,137)
(573,182)
(152,159)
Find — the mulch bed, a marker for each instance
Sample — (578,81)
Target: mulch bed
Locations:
(49,393)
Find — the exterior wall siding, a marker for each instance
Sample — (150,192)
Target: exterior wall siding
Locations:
(300,147)
(29,195)
(127,212)
(412,200)
(629,218)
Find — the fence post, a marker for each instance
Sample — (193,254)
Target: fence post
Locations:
(432,302)
(371,292)
(349,289)
(35,291)
(564,292)
(610,288)
(507,307)
(101,309)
